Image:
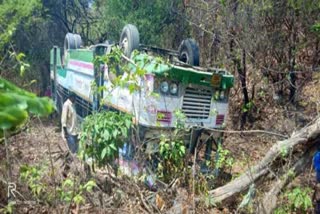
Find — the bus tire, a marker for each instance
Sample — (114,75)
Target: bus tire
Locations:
(189,52)
(129,39)
(78,40)
(72,41)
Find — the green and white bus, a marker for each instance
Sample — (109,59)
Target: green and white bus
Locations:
(201,94)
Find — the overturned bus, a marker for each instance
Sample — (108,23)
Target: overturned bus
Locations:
(200,94)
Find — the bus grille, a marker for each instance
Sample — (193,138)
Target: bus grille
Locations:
(196,103)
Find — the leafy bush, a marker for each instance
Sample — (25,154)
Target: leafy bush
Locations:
(298,200)
(71,192)
(171,155)
(225,160)
(33,176)
(103,134)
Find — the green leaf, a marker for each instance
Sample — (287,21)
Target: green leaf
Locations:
(68,183)
(140,71)
(103,153)
(67,198)
(38,190)
(183,149)
(78,199)
(115,133)
(20,56)
(106,135)
(89,185)
(12,117)
(112,146)
(22,70)
(123,131)
(15,104)
(128,123)
(132,88)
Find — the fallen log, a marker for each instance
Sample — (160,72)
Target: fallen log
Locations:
(307,134)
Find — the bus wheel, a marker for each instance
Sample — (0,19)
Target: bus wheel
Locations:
(129,39)
(189,52)
(72,41)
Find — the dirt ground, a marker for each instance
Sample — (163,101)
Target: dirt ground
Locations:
(32,147)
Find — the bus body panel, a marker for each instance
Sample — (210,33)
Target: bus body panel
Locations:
(150,108)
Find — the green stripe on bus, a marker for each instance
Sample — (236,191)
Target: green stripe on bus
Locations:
(81,55)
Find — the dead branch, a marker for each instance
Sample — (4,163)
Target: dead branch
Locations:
(144,202)
(249,132)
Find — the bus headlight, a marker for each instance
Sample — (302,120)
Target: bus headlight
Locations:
(164,87)
(173,88)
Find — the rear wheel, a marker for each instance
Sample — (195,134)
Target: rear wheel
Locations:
(189,52)
(129,39)
(72,41)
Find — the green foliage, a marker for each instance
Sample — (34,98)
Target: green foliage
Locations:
(225,160)
(154,19)
(298,201)
(124,72)
(281,210)
(284,151)
(70,191)
(16,104)
(25,27)
(171,153)
(9,208)
(33,176)
(13,13)
(291,173)
(202,187)
(247,107)
(103,134)
(20,59)
(316,28)
(180,119)
(209,201)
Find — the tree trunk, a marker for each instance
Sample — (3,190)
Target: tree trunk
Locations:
(242,71)
(292,61)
